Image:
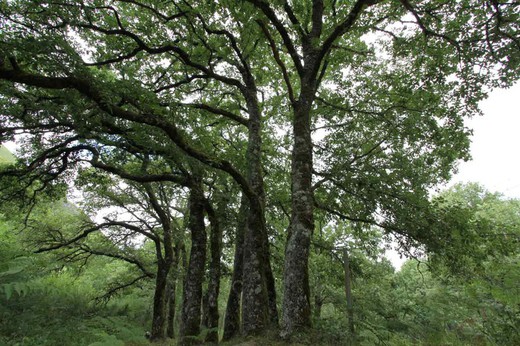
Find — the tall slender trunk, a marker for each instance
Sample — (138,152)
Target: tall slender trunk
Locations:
(232,318)
(348,294)
(255,301)
(164,264)
(271,287)
(191,309)
(296,301)
(318,303)
(255,297)
(174,279)
(211,298)
(170,323)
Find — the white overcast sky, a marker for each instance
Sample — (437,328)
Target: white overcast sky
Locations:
(495,144)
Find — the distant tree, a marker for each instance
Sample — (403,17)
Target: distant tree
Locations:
(475,226)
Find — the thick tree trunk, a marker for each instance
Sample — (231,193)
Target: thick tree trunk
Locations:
(191,309)
(211,298)
(232,318)
(296,301)
(255,297)
(255,301)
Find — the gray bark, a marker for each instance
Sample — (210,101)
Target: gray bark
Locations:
(257,303)
(296,313)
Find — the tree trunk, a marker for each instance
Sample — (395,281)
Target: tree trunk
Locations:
(271,287)
(255,301)
(255,298)
(211,298)
(232,318)
(191,309)
(159,298)
(318,303)
(164,264)
(170,329)
(175,279)
(348,293)
(296,313)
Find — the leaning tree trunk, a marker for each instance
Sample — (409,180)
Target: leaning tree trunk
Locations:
(191,308)
(232,318)
(211,298)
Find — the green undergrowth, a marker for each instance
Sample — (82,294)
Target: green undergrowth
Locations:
(56,310)
(330,335)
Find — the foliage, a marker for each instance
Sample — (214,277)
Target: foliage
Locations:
(46,301)
(362,101)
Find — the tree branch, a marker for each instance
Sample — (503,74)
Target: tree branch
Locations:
(288,43)
(219,111)
(92,93)
(344,26)
(279,61)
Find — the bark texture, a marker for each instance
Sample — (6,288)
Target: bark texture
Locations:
(191,309)
(165,259)
(296,300)
(255,301)
(232,318)
(255,297)
(211,298)
(159,299)
(271,287)
(174,280)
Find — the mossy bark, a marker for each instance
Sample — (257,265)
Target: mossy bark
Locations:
(256,265)
(296,313)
